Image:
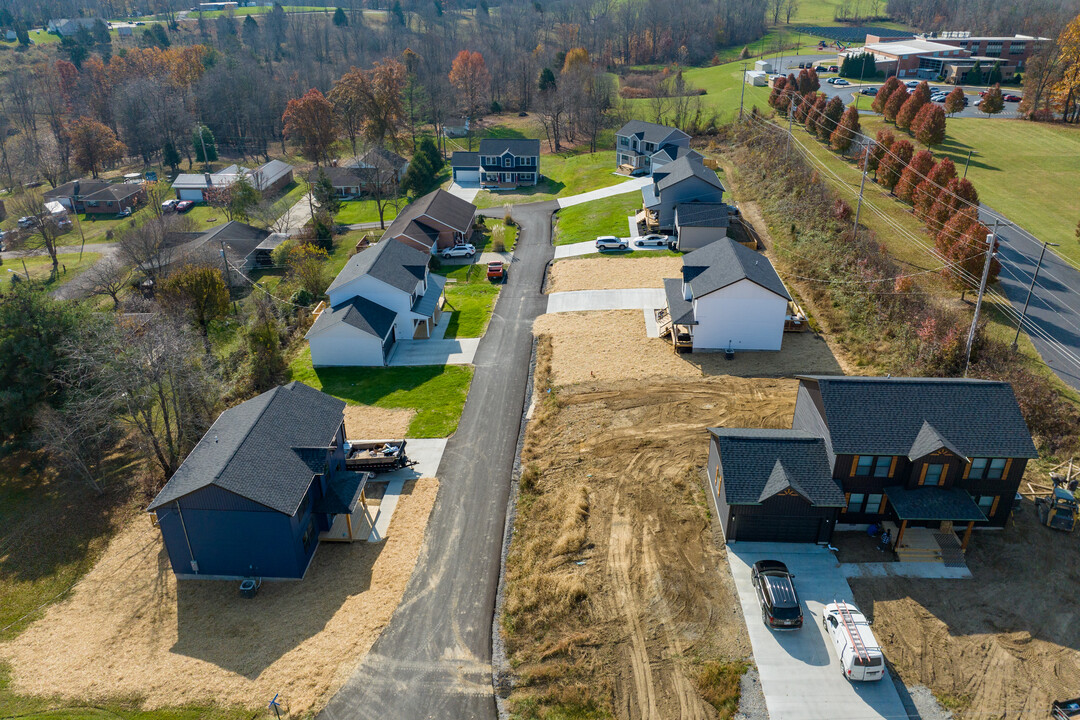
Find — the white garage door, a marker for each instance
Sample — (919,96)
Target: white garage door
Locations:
(472,176)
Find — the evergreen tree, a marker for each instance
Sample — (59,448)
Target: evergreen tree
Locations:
(419,177)
(546,81)
(994,77)
(202,138)
(340,18)
(431,152)
(974,75)
(170,156)
(397,13)
(322,191)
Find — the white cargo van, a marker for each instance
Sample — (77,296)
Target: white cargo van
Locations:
(858,650)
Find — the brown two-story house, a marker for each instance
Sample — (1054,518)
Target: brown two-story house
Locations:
(919,452)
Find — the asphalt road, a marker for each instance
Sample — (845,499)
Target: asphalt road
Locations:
(434,658)
(1055,301)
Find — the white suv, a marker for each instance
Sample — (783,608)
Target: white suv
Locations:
(465,250)
(610,242)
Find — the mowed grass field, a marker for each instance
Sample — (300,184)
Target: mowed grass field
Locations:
(1026,171)
(586,221)
(470,299)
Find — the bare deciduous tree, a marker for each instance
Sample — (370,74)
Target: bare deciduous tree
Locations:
(108,278)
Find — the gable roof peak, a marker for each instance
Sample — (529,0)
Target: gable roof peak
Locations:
(928,440)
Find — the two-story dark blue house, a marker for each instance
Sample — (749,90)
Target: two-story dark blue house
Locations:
(916,452)
(500,163)
(256,492)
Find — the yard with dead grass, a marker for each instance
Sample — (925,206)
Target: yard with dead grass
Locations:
(129,630)
(619,601)
(612,273)
(376,423)
(611,345)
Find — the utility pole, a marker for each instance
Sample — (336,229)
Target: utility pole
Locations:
(202,140)
(225,261)
(1031,287)
(862,184)
(990,240)
(967,162)
(742,91)
(790,115)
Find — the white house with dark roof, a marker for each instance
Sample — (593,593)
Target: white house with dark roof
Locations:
(640,145)
(354,332)
(268,178)
(684,181)
(728,298)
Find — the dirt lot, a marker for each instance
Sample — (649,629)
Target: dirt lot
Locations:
(365,422)
(1003,645)
(612,273)
(611,345)
(619,598)
(129,631)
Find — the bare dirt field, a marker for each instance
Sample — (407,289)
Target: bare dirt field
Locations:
(612,273)
(129,631)
(618,596)
(1002,645)
(611,345)
(366,422)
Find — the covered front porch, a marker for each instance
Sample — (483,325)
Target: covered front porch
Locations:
(926,523)
(428,308)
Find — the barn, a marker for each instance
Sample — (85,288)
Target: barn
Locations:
(256,492)
(772,486)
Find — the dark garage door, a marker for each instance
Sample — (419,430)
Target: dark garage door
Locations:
(777,528)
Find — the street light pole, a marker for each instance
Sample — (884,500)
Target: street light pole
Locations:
(1031,287)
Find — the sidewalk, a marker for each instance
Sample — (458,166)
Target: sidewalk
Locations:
(623,187)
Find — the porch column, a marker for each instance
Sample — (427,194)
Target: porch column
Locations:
(900,534)
(348,525)
(967,536)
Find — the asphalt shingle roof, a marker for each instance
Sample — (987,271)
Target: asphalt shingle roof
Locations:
(680,309)
(86,187)
(685,168)
(465,159)
(395,263)
(519,147)
(649,132)
(383,158)
(933,503)
(116,192)
(724,262)
(702,214)
(669,153)
(363,314)
(342,493)
(438,204)
(254,449)
(887,416)
(757,464)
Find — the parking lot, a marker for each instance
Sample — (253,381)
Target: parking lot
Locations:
(800,674)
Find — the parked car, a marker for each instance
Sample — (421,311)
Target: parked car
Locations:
(832,80)
(1012,98)
(610,242)
(982,93)
(496,271)
(125,212)
(463,250)
(780,608)
(840,81)
(912,83)
(858,650)
(27,221)
(651,240)
(802,66)
(871,91)
(184,205)
(834,68)
(169,205)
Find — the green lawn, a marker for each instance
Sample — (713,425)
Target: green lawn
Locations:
(40,37)
(1026,171)
(564,174)
(586,221)
(364,211)
(260,10)
(470,298)
(437,393)
(495,229)
(40,266)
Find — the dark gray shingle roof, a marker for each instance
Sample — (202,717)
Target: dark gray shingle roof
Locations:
(255,449)
(649,132)
(680,309)
(115,192)
(703,214)
(933,503)
(383,158)
(519,147)
(685,168)
(342,493)
(724,262)
(438,204)
(338,176)
(669,153)
(394,263)
(885,416)
(464,159)
(86,187)
(757,464)
(360,313)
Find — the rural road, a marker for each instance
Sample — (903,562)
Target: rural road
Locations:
(1055,301)
(434,658)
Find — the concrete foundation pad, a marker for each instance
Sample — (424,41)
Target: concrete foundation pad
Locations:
(633,299)
(925,570)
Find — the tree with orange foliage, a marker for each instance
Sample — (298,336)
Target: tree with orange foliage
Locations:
(894,162)
(310,121)
(469,76)
(368,103)
(921,164)
(927,190)
(93,145)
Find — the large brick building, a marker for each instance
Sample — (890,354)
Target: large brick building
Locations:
(949,56)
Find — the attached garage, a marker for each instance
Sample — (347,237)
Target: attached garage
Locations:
(772,486)
(466,167)
(357,332)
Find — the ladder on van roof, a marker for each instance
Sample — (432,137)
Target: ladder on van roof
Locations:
(852,630)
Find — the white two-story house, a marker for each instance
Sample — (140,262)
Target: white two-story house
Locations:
(383,294)
(641,146)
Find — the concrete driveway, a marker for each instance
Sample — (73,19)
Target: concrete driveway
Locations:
(630,185)
(466,192)
(634,299)
(589,248)
(433,352)
(427,454)
(800,674)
